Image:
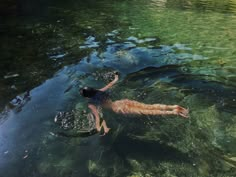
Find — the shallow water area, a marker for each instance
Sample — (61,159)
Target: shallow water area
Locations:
(170,52)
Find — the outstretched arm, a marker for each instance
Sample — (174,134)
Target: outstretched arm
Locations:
(110,84)
(98,126)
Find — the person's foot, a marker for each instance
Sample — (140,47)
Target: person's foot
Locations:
(184,115)
(183,112)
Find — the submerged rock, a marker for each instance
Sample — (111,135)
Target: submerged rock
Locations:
(75,119)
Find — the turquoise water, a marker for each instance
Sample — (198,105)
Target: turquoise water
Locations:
(171,52)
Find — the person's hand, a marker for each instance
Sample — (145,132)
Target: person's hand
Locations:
(106,131)
(116,75)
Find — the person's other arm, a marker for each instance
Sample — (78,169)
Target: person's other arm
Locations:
(110,84)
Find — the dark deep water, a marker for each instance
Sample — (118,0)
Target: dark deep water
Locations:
(166,51)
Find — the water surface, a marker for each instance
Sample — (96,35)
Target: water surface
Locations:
(171,52)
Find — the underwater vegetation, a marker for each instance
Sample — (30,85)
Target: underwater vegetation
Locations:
(202,145)
(170,52)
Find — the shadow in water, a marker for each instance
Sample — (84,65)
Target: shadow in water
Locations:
(220,93)
(126,146)
(78,134)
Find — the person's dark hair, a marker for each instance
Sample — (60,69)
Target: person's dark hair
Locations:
(88,92)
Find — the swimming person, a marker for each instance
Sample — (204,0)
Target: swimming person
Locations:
(100,97)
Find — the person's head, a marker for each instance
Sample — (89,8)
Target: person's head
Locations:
(88,92)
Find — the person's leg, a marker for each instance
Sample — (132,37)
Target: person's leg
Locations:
(152,106)
(162,107)
(134,107)
(155,112)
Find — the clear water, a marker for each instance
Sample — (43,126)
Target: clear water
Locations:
(171,52)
